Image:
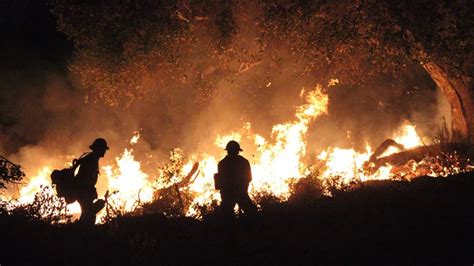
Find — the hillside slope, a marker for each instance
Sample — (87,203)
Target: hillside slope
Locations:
(427,221)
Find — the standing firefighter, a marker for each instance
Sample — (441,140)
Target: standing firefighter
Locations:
(86,180)
(233,179)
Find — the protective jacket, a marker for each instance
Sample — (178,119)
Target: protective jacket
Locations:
(87,177)
(234,173)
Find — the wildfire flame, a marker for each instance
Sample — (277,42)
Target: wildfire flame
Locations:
(135,138)
(276,163)
(128,181)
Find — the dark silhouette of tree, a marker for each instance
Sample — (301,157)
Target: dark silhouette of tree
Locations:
(126,49)
(9,172)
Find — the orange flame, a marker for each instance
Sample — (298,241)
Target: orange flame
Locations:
(276,162)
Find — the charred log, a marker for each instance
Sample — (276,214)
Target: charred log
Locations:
(416,154)
(383,147)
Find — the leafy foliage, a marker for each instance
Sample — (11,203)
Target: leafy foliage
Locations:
(171,172)
(355,40)
(266,200)
(9,172)
(113,210)
(124,50)
(309,188)
(171,197)
(45,207)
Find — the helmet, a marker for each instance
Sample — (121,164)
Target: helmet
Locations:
(233,146)
(99,143)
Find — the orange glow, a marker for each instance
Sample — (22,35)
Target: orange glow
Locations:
(276,163)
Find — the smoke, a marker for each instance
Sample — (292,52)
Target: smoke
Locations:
(46,120)
(443,116)
(371,113)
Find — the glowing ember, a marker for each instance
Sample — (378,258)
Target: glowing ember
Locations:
(135,138)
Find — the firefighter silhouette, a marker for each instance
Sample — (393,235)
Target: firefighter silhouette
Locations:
(86,181)
(233,179)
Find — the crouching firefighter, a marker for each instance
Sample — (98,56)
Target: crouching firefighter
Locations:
(233,179)
(86,180)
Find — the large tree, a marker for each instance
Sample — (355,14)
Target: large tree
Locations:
(125,49)
(355,40)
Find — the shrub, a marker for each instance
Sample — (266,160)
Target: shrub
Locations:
(46,207)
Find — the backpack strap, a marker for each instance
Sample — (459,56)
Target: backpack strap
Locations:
(77,162)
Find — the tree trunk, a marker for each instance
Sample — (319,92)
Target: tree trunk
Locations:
(458,91)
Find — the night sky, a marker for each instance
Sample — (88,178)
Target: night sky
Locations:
(31,50)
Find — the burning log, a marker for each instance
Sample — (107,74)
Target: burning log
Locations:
(190,177)
(400,159)
(383,147)
(185,182)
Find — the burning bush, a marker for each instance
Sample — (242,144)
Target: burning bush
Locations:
(172,196)
(309,188)
(46,207)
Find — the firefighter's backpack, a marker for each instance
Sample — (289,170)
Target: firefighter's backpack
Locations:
(65,181)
